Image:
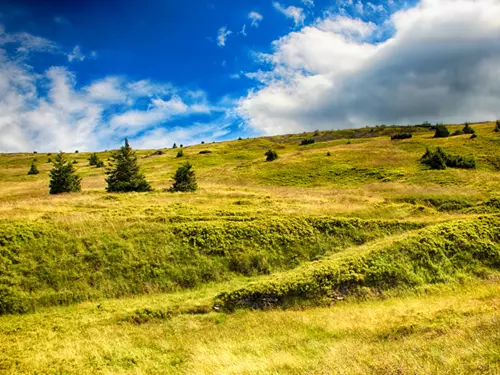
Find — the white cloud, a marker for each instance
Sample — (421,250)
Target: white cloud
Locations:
(244,30)
(297,14)
(308,3)
(441,64)
(49,111)
(222,36)
(255,19)
(76,54)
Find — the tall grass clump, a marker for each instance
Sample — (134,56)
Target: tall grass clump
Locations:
(437,254)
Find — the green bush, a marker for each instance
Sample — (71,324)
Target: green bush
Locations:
(180,154)
(441,131)
(401,136)
(440,160)
(271,155)
(203,152)
(473,136)
(497,126)
(468,129)
(307,141)
(124,174)
(457,132)
(62,177)
(184,179)
(94,159)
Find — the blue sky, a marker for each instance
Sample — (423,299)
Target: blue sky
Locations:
(86,74)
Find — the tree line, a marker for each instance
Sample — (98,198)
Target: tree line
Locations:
(123,174)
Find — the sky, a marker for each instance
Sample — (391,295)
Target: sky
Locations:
(83,75)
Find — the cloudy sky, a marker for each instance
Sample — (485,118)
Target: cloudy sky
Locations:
(85,74)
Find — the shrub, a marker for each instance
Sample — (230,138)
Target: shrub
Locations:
(175,145)
(202,142)
(468,129)
(99,164)
(441,131)
(75,161)
(401,136)
(440,160)
(307,141)
(457,132)
(124,174)
(49,154)
(205,152)
(94,160)
(180,154)
(328,153)
(184,179)
(49,160)
(497,126)
(33,169)
(62,177)
(76,151)
(240,139)
(158,153)
(473,136)
(181,145)
(271,155)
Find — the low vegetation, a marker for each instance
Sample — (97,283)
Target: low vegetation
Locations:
(364,262)
(401,136)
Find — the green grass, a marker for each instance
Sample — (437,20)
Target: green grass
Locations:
(382,265)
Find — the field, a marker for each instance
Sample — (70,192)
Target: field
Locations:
(345,256)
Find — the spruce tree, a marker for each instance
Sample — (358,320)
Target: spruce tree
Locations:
(184,179)
(124,174)
(62,177)
(468,129)
(33,169)
(93,159)
(441,131)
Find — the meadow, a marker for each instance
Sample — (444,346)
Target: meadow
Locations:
(344,256)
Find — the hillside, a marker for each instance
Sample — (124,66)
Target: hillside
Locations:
(348,242)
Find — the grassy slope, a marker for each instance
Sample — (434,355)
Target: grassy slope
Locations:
(249,218)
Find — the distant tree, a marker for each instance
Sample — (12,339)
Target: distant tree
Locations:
(175,145)
(202,142)
(307,141)
(497,127)
(49,154)
(180,154)
(181,145)
(468,129)
(76,151)
(99,164)
(124,174)
(328,153)
(184,179)
(240,139)
(33,169)
(49,160)
(62,177)
(441,131)
(271,155)
(93,159)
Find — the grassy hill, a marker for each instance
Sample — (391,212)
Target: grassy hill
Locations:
(349,242)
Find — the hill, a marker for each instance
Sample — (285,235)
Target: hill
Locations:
(350,227)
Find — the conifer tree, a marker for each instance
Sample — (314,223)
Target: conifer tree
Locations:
(180,154)
(124,174)
(33,169)
(184,179)
(62,177)
(497,126)
(468,129)
(441,131)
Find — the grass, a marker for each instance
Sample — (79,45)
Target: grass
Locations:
(383,265)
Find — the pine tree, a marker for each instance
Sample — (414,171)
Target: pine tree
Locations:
(497,127)
(93,159)
(184,179)
(180,154)
(33,169)
(124,174)
(441,131)
(468,129)
(62,177)
(175,145)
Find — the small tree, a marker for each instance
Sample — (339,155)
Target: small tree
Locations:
(497,127)
(124,174)
(271,155)
(33,169)
(181,145)
(93,159)
(175,145)
(441,131)
(184,179)
(180,154)
(468,129)
(62,177)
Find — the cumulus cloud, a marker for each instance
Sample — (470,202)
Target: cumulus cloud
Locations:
(49,111)
(222,36)
(442,63)
(255,19)
(297,14)
(76,54)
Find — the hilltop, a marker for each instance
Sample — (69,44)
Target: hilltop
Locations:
(346,242)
